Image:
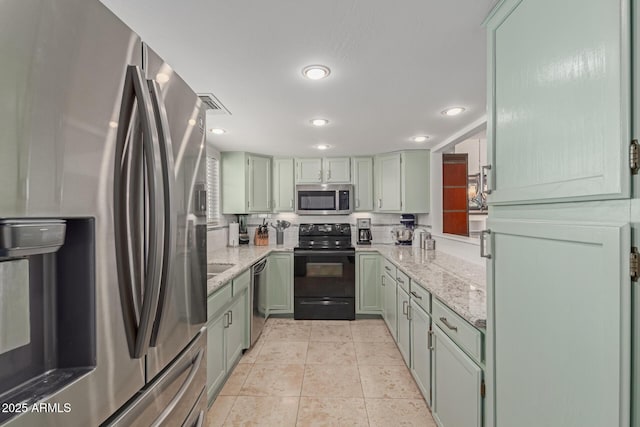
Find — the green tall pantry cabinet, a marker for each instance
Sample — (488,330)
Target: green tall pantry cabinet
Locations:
(559,348)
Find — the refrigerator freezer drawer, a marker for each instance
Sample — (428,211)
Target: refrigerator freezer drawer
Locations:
(169,399)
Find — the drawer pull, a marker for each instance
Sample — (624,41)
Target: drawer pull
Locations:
(415,295)
(399,280)
(409,317)
(230,317)
(430,339)
(404,307)
(386,267)
(448,325)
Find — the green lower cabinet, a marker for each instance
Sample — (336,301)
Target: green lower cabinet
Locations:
(368,286)
(280,283)
(420,349)
(389,309)
(403,333)
(457,381)
(216,354)
(236,329)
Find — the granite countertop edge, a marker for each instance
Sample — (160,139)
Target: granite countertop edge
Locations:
(457,283)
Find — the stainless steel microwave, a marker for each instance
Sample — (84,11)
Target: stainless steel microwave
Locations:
(324,199)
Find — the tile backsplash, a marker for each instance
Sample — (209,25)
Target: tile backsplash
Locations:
(380,228)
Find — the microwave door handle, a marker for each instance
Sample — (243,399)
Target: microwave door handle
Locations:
(169,217)
(153,267)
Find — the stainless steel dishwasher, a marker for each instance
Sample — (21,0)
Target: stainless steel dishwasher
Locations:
(258,298)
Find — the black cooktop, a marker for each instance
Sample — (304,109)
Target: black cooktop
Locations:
(324,237)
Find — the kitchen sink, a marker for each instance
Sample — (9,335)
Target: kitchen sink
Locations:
(217,268)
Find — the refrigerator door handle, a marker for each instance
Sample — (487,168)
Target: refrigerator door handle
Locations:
(168,177)
(135,93)
(183,389)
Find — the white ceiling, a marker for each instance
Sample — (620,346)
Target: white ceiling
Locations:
(395,65)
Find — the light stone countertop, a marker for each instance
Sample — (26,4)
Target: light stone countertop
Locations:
(457,283)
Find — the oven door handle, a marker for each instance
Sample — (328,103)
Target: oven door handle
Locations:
(322,252)
(324,302)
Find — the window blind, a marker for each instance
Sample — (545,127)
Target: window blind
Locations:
(213,191)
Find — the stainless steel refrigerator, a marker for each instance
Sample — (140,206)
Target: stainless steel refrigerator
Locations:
(102,224)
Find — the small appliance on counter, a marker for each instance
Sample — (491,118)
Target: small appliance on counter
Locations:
(403,234)
(243,234)
(364,231)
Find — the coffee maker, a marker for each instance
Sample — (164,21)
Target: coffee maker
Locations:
(364,231)
(243,234)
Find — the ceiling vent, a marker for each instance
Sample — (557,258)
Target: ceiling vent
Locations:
(213,104)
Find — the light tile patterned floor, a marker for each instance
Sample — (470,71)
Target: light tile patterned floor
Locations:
(321,373)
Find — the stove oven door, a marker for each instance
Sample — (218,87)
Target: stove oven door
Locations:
(324,284)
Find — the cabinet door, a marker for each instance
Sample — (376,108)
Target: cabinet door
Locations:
(387,169)
(236,331)
(308,171)
(559,321)
(456,386)
(368,282)
(216,354)
(403,325)
(283,185)
(337,169)
(559,88)
(420,349)
(389,303)
(363,183)
(280,283)
(415,181)
(259,184)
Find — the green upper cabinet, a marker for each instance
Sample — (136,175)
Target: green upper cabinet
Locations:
(308,170)
(283,185)
(559,321)
(246,183)
(387,183)
(362,174)
(368,284)
(558,100)
(401,182)
(337,170)
(334,170)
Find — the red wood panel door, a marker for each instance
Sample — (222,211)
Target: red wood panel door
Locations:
(455,206)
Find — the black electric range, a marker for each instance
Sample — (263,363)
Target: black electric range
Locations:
(324,273)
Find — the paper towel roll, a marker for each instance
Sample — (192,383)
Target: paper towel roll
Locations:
(234,231)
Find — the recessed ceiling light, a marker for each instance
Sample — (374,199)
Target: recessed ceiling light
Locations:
(192,122)
(421,138)
(316,72)
(453,111)
(217,131)
(162,78)
(323,146)
(319,122)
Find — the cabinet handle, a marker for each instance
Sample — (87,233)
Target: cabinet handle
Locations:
(386,267)
(408,312)
(248,203)
(489,180)
(357,203)
(328,174)
(319,176)
(230,317)
(291,203)
(399,280)
(483,242)
(383,280)
(430,339)
(404,308)
(415,295)
(225,321)
(379,203)
(448,325)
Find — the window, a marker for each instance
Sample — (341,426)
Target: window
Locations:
(213,191)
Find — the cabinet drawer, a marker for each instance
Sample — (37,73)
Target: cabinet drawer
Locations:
(389,268)
(218,300)
(465,335)
(403,280)
(421,296)
(241,282)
